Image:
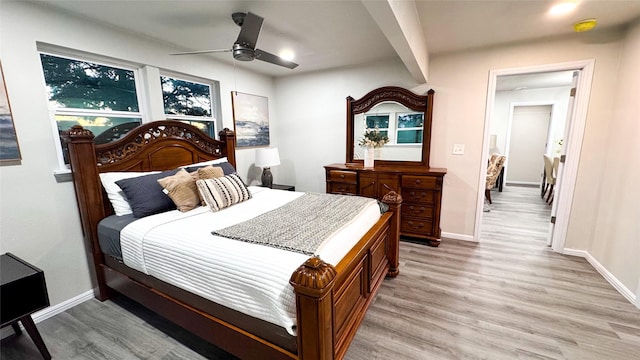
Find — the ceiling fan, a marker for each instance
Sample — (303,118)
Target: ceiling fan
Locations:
(244,49)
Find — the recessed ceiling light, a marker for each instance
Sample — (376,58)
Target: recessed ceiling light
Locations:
(584,25)
(563,8)
(287,54)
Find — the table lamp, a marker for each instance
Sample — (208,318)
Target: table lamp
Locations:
(266,158)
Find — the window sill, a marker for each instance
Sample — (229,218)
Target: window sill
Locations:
(62,175)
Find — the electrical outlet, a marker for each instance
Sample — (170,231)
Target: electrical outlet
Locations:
(458,149)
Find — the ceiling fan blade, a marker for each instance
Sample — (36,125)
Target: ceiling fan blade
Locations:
(274,59)
(201,52)
(250,30)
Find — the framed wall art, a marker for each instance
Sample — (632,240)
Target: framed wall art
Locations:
(251,119)
(9,149)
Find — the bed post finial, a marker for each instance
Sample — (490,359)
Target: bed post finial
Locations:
(394,200)
(313,284)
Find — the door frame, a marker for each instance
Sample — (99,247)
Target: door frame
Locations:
(572,148)
(512,107)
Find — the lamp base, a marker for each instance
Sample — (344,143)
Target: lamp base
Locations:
(267,177)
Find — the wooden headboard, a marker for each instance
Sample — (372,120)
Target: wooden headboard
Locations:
(159,145)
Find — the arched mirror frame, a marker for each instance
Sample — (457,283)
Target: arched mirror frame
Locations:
(421,103)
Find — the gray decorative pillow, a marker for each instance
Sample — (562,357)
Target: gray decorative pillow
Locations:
(145,195)
(223,192)
(227,168)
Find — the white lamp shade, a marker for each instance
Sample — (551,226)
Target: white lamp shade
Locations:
(267,157)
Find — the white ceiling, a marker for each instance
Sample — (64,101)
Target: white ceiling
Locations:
(330,34)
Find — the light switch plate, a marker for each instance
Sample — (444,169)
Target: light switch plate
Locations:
(458,149)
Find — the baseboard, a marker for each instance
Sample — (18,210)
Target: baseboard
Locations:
(522,183)
(623,290)
(455,236)
(51,311)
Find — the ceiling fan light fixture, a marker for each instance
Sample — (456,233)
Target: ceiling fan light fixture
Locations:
(585,25)
(243,53)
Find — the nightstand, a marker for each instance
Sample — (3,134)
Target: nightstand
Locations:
(22,293)
(283,187)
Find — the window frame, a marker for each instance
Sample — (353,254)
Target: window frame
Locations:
(398,128)
(103,61)
(213,98)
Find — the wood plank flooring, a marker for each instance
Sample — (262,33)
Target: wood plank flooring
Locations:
(508,297)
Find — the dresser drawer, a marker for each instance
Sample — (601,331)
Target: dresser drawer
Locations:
(342,188)
(421,211)
(420,182)
(343,176)
(416,226)
(417,196)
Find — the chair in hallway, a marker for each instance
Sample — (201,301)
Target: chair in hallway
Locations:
(496,162)
(551,171)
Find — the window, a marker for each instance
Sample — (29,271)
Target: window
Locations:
(101,98)
(189,102)
(410,128)
(379,121)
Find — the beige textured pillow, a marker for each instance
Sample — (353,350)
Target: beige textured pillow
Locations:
(182,189)
(210,172)
(223,192)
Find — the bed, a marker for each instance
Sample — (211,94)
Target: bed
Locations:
(330,300)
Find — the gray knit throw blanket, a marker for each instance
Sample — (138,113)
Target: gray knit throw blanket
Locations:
(300,225)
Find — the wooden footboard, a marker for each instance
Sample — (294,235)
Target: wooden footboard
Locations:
(330,301)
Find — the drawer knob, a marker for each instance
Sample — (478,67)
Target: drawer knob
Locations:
(341,176)
(418,181)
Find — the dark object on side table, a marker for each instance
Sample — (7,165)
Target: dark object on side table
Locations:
(23,292)
(281,187)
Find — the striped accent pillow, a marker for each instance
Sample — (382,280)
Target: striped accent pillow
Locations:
(223,192)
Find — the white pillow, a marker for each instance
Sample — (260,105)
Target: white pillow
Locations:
(114,192)
(209,162)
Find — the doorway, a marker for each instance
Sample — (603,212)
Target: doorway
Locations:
(571,137)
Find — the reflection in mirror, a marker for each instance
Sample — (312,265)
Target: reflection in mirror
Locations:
(401,125)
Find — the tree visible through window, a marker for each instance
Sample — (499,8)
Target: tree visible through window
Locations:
(189,102)
(101,98)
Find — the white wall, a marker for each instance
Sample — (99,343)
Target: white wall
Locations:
(38,217)
(616,230)
(558,96)
(312,117)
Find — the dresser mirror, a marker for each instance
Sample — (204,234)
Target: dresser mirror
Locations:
(401,115)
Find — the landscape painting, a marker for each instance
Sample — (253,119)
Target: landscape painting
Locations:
(9,150)
(251,118)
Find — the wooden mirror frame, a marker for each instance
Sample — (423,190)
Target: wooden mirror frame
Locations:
(421,103)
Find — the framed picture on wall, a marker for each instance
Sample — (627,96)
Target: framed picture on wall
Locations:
(251,119)
(9,149)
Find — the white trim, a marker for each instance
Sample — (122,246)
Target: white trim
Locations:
(522,183)
(455,236)
(572,148)
(51,311)
(619,286)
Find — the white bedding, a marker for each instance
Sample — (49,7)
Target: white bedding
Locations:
(178,248)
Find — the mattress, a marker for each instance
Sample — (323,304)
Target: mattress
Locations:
(179,249)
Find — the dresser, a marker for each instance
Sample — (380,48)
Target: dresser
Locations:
(421,190)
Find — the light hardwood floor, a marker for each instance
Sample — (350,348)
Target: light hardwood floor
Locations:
(508,297)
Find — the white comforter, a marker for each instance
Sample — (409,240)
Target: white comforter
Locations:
(178,248)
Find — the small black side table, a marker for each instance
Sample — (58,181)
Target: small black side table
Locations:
(282,187)
(23,292)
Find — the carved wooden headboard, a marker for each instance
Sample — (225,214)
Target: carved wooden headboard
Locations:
(159,145)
